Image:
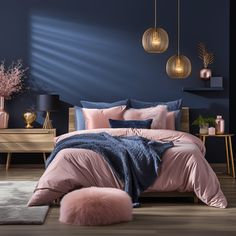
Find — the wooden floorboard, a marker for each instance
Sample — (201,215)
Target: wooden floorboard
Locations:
(159,218)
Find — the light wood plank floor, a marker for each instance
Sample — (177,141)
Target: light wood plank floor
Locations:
(159,218)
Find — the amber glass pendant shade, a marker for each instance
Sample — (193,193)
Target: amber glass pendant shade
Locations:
(155,40)
(178,67)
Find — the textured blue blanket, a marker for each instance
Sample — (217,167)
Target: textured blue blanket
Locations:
(135,160)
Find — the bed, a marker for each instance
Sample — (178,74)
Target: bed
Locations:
(184,169)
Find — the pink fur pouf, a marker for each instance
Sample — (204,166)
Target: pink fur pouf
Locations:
(96,206)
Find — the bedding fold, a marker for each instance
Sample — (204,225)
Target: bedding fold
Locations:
(135,160)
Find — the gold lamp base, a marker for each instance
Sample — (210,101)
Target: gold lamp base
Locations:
(47,122)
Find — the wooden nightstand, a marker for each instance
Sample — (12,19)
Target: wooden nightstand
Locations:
(228,149)
(26,141)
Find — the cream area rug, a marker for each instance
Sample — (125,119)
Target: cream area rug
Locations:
(14,196)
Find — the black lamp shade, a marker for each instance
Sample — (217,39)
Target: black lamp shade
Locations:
(47,102)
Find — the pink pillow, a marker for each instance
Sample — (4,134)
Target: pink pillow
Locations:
(96,206)
(99,118)
(170,120)
(158,115)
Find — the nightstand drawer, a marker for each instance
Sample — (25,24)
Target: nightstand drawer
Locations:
(26,141)
(24,137)
(26,147)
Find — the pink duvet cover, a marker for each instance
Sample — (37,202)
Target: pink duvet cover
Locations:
(183,169)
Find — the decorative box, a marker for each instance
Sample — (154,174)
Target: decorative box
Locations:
(216,82)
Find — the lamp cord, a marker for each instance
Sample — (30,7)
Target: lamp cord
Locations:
(155,13)
(178,26)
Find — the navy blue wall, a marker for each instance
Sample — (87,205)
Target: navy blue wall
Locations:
(91,50)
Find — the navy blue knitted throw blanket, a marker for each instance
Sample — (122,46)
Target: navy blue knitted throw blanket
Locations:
(135,160)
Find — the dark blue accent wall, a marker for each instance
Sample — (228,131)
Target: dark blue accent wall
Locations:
(91,50)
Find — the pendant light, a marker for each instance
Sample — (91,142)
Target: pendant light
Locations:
(155,40)
(178,66)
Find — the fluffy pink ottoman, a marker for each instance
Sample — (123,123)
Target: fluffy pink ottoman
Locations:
(96,206)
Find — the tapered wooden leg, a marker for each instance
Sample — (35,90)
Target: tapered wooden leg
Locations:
(231,156)
(8,161)
(44,157)
(204,140)
(227,153)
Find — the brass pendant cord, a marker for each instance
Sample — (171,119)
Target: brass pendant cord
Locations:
(155,14)
(178,26)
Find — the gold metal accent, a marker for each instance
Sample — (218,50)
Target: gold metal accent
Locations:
(227,154)
(228,149)
(155,40)
(231,156)
(178,66)
(47,122)
(206,57)
(29,118)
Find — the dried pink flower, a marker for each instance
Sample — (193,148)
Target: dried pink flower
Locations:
(11,79)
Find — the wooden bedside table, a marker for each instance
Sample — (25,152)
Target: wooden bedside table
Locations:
(228,148)
(26,141)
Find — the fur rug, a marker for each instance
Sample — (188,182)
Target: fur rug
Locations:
(14,196)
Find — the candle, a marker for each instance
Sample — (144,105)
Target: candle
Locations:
(211,131)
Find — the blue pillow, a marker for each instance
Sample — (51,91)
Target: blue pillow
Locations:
(102,105)
(175,106)
(139,124)
(178,115)
(79,118)
(171,106)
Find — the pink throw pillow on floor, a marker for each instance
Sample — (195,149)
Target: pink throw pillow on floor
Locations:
(99,118)
(96,206)
(158,115)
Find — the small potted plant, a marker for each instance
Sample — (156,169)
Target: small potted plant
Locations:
(204,123)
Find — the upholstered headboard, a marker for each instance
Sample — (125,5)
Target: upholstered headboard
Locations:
(184,119)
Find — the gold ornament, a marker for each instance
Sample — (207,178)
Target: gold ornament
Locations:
(29,118)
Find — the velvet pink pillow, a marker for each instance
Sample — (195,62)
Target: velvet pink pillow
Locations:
(99,118)
(170,120)
(158,115)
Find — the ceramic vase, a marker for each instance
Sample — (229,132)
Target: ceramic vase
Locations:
(4,116)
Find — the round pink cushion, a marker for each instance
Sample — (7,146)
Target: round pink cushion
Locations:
(96,206)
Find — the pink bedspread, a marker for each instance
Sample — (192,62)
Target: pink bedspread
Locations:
(183,169)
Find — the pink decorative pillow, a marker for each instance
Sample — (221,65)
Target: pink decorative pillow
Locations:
(158,115)
(170,120)
(99,118)
(96,206)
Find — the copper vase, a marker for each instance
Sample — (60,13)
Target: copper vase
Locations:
(205,74)
(4,116)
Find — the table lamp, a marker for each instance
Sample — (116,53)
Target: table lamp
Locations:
(47,103)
